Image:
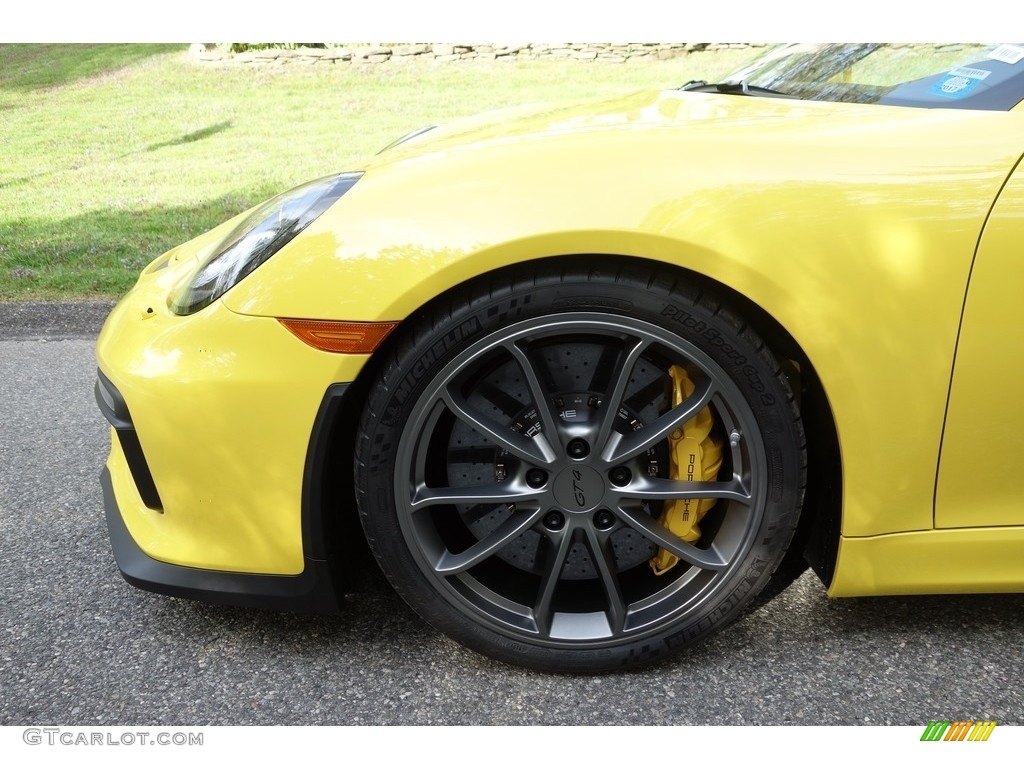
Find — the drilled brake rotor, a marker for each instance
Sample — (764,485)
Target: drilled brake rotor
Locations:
(473,460)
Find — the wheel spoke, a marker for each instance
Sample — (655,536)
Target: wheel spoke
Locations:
(532,465)
(450,563)
(661,488)
(556,551)
(534,450)
(540,395)
(497,493)
(601,379)
(621,447)
(604,560)
(708,559)
(505,402)
(615,397)
(638,400)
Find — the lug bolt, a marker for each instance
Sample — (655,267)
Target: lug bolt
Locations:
(604,519)
(554,520)
(620,476)
(535,478)
(577,448)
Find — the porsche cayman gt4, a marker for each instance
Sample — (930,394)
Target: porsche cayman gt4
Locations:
(596,379)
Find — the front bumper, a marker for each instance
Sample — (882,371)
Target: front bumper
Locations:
(221,430)
(312,591)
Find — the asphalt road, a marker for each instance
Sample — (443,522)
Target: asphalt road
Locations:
(78,646)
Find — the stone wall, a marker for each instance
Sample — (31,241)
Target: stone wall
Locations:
(442,52)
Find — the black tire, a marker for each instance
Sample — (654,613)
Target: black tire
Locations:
(503,516)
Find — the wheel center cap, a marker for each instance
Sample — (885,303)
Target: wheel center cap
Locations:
(579,489)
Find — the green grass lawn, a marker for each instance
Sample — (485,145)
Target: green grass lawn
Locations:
(111,154)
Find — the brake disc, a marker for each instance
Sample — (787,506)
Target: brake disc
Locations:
(474,460)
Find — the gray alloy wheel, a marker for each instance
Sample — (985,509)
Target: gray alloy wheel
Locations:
(513,473)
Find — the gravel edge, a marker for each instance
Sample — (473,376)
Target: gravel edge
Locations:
(52,320)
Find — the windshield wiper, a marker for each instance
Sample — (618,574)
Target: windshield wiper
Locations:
(738,86)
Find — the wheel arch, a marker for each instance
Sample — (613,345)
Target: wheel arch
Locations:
(816,540)
(330,520)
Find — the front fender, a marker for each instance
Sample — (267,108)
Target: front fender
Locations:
(859,250)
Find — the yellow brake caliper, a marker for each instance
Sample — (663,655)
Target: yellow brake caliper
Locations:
(694,456)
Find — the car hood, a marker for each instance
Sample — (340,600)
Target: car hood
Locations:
(642,111)
(699,114)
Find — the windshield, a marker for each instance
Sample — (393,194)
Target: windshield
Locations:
(967,76)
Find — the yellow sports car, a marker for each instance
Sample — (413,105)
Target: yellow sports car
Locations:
(595,378)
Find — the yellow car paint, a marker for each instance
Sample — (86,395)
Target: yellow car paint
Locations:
(854,226)
(977,488)
(224,421)
(930,562)
(978,484)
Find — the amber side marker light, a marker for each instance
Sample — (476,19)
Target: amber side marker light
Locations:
(332,336)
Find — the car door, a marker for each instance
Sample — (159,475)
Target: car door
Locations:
(981,482)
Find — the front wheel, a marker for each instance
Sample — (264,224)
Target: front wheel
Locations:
(579,470)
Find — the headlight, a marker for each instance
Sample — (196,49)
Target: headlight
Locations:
(261,234)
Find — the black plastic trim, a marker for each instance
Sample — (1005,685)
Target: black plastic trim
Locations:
(311,591)
(114,408)
(331,528)
(318,524)
(112,405)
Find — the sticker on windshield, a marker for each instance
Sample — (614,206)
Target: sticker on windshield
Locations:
(1008,54)
(976,74)
(959,83)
